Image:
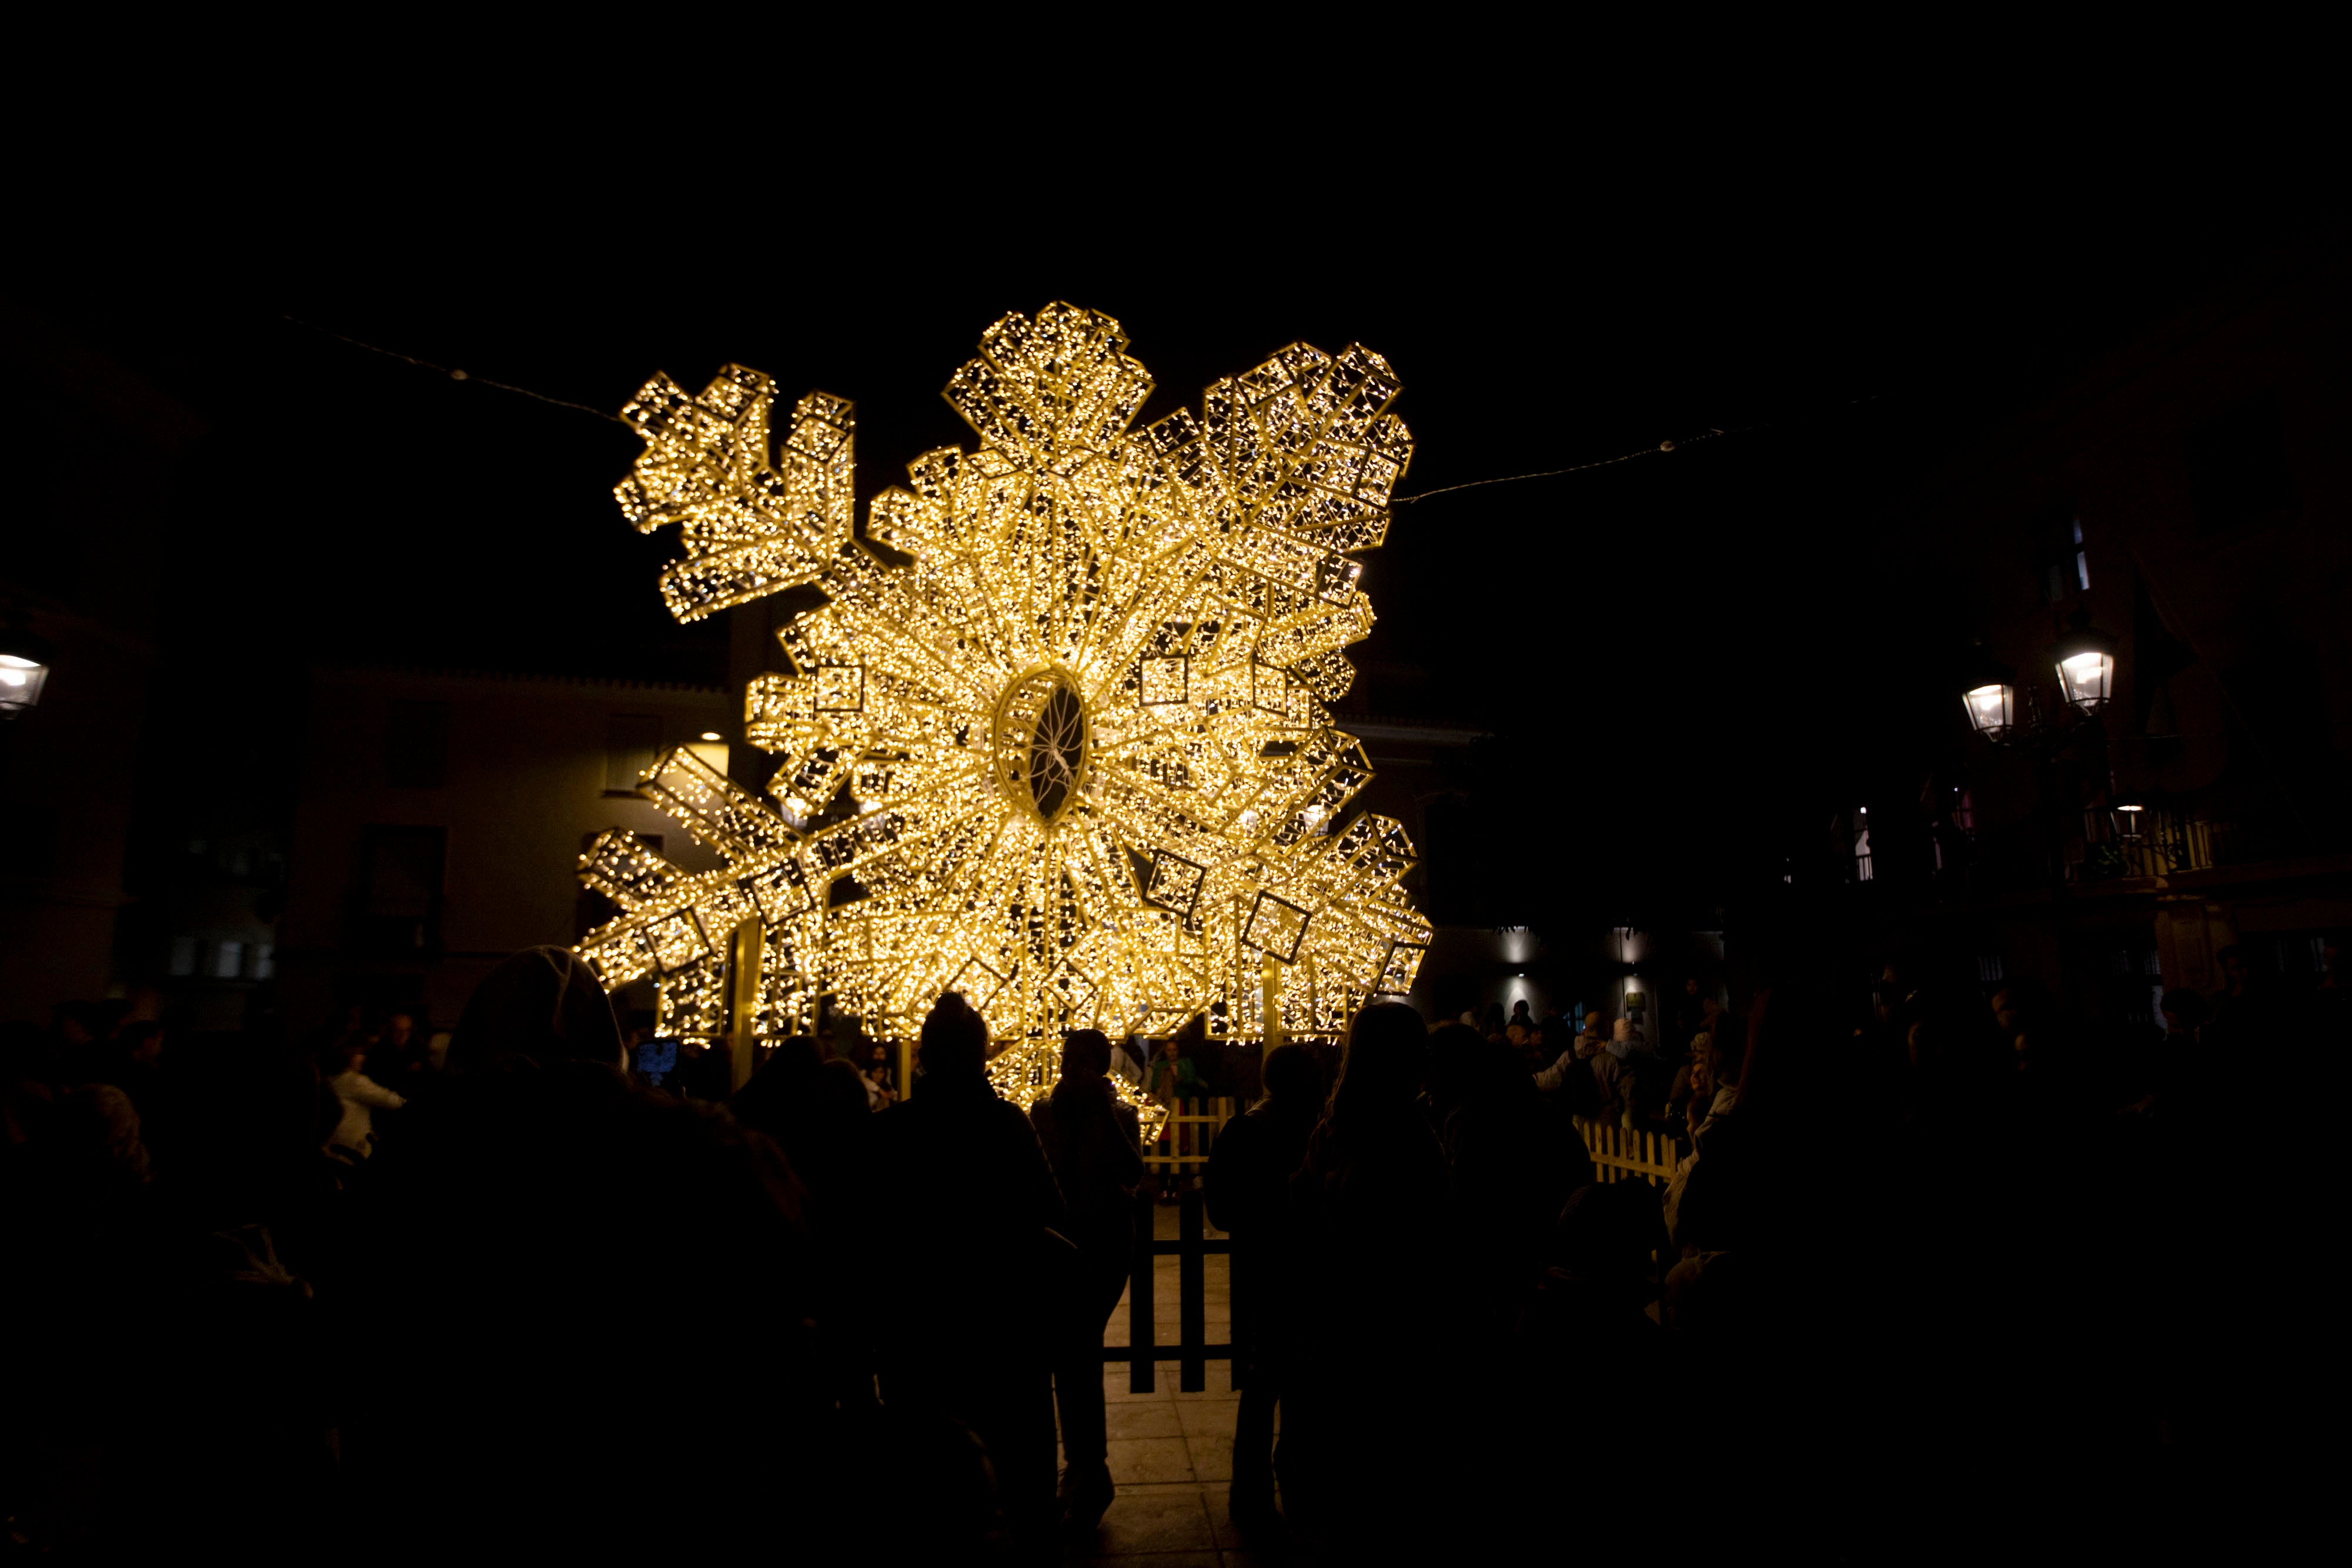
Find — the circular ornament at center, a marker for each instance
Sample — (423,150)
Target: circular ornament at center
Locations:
(1040,750)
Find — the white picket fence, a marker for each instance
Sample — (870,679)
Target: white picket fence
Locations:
(1619,1153)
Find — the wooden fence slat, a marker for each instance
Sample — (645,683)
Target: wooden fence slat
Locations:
(1141,1331)
(1626,1153)
(1189,1136)
(1191,1292)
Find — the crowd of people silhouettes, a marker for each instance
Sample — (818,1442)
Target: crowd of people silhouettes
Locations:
(361,1290)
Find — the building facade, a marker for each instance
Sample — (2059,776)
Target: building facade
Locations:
(99,452)
(2190,499)
(440,821)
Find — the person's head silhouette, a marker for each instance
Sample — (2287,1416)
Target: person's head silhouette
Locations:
(1086,1054)
(955,1040)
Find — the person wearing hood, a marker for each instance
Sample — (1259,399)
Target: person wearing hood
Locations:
(545,1252)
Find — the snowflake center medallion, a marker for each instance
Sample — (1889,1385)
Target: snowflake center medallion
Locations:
(1041,744)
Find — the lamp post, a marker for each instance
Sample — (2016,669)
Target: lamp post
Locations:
(2083,660)
(24,670)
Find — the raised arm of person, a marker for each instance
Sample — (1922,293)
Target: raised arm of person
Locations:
(362,1090)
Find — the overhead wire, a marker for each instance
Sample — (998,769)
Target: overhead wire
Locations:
(453,372)
(1660,449)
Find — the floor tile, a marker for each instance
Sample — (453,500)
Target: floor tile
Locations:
(1208,1415)
(1280,1555)
(1272,1540)
(1145,1417)
(1213,1456)
(1175,1519)
(1150,1460)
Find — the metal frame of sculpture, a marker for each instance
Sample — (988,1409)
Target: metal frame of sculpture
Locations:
(1076,760)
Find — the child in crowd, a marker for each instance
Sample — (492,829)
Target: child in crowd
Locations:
(353,1138)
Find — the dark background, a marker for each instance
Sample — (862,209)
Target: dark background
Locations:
(1672,652)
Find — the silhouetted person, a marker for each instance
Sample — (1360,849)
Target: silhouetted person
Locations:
(402,1056)
(1369,1209)
(881,1082)
(816,1111)
(706,1071)
(966,1273)
(1587,1333)
(1513,1161)
(548,1244)
(138,1069)
(1093,1145)
(1246,1187)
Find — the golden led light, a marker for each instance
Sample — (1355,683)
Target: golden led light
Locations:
(1067,749)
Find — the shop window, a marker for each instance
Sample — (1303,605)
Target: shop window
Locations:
(265,960)
(631,741)
(181,961)
(229,960)
(2237,467)
(416,746)
(1862,869)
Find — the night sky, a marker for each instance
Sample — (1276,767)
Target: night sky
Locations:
(1666,649)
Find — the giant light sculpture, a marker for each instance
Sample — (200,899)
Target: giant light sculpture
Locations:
(1064,745)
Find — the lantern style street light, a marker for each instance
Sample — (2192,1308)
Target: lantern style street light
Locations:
(1992,708)
(23,669)
(2086,668)
(1989,692)
(2085,659)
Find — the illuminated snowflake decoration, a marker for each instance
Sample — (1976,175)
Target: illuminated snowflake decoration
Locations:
(1061,742)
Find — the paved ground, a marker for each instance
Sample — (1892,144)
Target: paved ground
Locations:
(1171,1454)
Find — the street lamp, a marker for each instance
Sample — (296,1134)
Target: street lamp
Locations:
(2087,667)
(24,668)
(2085,659)
(1988,691)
